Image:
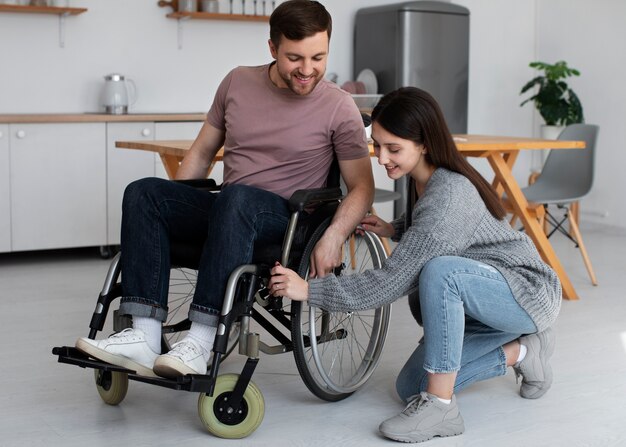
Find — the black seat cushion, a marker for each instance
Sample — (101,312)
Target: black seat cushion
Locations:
(188,255)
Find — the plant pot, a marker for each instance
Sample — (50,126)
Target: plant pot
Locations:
(538,157)
(551,132)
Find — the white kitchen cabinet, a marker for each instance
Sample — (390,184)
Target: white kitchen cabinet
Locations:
(62,179)
(5,191)
(58,185)
(123,167)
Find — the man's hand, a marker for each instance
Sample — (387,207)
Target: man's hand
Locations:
(326,255)
(357,175)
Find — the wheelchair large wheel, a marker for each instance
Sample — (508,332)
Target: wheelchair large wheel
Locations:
(337,352)
(180,294)
(221,419)
(181,289)
(112,386)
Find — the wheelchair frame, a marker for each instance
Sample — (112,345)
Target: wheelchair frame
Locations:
(242,292)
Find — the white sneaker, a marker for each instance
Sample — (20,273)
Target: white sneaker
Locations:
(128,349)
(186,357)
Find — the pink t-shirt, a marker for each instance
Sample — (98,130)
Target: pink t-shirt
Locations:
(279,141)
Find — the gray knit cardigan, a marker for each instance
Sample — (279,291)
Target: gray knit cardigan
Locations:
(449,219)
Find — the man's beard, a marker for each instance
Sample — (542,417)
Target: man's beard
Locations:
(298,89)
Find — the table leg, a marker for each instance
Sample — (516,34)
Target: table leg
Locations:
(171,164)
(509,158)
(499,163)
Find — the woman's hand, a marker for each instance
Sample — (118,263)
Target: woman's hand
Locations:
(285,282)
(376,225)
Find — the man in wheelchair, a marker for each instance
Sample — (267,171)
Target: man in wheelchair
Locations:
(281,126)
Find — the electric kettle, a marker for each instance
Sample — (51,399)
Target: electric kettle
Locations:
(116,94)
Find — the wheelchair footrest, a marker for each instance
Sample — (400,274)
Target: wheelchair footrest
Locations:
(193,382)
(73,356)
(196,383)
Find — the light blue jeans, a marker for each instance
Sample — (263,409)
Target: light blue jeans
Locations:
(468,313)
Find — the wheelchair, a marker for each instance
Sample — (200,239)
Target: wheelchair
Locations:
(335,352)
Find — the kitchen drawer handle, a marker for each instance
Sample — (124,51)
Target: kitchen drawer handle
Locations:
(145,132)
(20,134)
(1,134)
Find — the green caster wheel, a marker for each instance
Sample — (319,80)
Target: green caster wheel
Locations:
(221,419)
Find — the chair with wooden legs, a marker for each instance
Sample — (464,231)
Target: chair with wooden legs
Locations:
(567,176)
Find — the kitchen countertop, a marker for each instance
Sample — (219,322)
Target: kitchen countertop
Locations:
(98,117)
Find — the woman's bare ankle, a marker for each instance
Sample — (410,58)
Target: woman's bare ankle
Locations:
(511,351)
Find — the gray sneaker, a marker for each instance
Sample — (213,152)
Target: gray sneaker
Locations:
(535,369)
(424,418)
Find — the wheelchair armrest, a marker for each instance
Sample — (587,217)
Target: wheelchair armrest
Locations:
(302,198)
(205,184)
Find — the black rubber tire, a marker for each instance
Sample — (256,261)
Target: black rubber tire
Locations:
(300,311)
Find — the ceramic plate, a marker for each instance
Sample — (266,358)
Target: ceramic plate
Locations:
(368,78)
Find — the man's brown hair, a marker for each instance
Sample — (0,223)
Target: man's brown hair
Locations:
(298,19)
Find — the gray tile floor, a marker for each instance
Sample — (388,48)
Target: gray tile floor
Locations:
(47,299)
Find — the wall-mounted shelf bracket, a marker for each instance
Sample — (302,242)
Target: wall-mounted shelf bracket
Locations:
(62,29)
(60,11)
(183,16)
(181,21)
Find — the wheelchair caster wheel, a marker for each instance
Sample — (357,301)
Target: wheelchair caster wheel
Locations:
(221,419)
(112,385)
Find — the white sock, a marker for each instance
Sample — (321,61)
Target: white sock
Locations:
(445,401)
(151,327)
(203,335)
(522,353)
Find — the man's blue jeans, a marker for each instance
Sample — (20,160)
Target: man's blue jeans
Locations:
(156,212)
(469,313)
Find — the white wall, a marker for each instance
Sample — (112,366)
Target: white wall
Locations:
(591,37)
(136,39)
(130,37)
(502,42)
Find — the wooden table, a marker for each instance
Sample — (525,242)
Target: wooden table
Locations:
(500,152)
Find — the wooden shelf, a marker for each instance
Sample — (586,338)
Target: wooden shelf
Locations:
(217,16)
(62,13)
(183,17)
(27,9)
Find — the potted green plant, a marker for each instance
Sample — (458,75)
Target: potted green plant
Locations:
(557,104)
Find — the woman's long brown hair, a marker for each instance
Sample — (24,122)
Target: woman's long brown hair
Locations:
(413,114)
